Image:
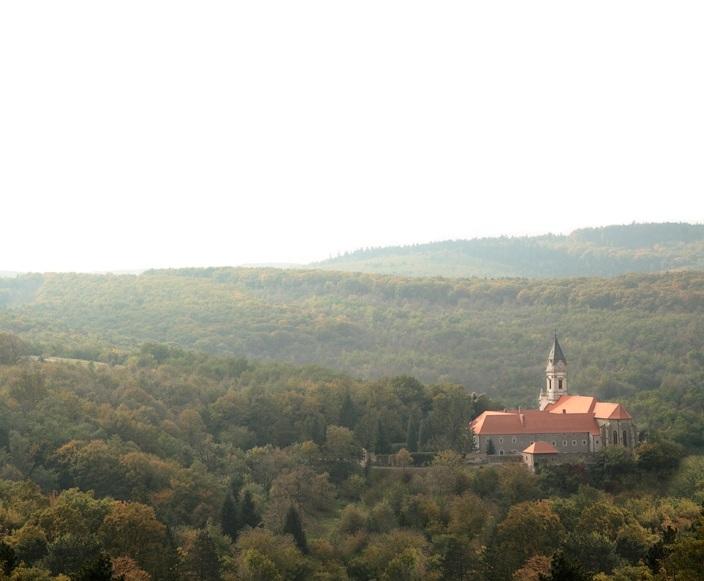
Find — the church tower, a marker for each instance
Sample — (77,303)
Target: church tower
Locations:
(555,376)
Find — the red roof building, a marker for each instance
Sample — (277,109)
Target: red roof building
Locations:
(573,424)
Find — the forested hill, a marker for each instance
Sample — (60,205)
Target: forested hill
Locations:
(639,338)
(607,251)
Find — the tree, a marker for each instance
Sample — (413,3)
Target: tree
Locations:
(8,559)
(127,569)
(99,569)
(281,550)
(490,448)
(229,517)
(29,543)
(131,528)
(660,457)
(202,560)
(562,569)
(69,553)
(381,440)
(411,436)
(348,411)
(530,528)
(402,458)
(410,565)
(254,566)
(248,512)
(11,349)
(294,526)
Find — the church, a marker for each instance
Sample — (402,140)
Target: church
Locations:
(562,424)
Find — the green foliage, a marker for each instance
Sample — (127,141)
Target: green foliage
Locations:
(99,569)
(229,517)
(202,560)
(606,251)
(294,526)
(635,338)
(140,454)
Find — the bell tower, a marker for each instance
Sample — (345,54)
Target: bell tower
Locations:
(555,376)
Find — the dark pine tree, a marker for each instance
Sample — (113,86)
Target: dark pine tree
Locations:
(98,570)
(229,517)
(294,526)
(490,448)
(421,435)
(318,430)
(381,441)
(248,512)
(203,561)
(236,483)
(8,558)
(411,436)
(562,569)
(348,412)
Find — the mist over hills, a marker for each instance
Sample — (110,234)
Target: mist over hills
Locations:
(631,337)
(605,251)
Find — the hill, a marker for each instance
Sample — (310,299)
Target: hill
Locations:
(607,251)
(639,338)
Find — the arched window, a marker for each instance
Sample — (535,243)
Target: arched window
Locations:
(615,437)
(559,384)
(625,438)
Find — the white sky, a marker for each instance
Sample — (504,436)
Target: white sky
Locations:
(145,134)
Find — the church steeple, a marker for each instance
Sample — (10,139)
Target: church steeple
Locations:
(555,376)
(556,353)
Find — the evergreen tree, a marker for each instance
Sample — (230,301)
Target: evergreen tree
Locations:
(8,558)
(293,526)
(348,412)
(411,436)
(98,570)
(381,441)
(248,512)
(421,434)
(229,517)
(490,448)
(236,483)
(170,560)
(203,562)
(562,569)
(318,430)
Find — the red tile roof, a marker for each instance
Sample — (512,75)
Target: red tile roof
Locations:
(540,448)
(582,404)
(573,404)
(611,411)
(570,413)
(533,422)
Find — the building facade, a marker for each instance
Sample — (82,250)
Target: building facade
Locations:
(571,424)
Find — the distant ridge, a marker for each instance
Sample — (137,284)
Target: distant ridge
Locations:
(604,251)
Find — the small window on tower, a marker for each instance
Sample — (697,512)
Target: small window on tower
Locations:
(559,384)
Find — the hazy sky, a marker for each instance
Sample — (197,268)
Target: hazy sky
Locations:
(139,133)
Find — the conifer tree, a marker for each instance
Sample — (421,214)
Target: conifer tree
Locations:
(229,517)
(490,448)
(381,442)
(248,512)
(348,413)
(203,562)
(421,435)
(411,436)
(562,569)
(98,570)
(293,526)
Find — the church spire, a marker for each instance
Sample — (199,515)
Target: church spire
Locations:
(555,376)
(556,353)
